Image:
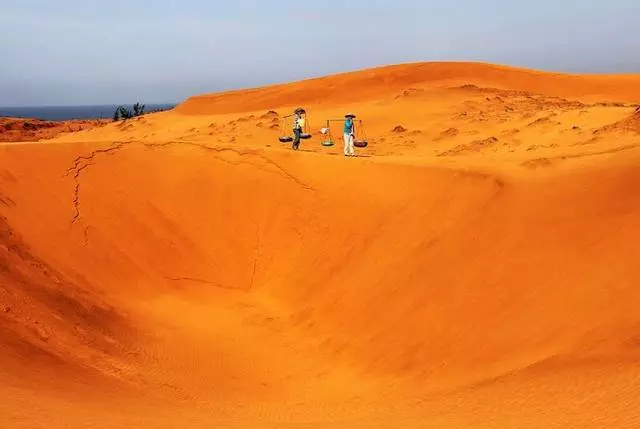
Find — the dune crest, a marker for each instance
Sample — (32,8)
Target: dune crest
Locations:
(370,84)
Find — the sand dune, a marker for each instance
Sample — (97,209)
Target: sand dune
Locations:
(373,84)
(476,267)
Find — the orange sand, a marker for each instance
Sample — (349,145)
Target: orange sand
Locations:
(18,129)
(478,269)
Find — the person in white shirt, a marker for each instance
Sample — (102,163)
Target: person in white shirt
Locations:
(299,121)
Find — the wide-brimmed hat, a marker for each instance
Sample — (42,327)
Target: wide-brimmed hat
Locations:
(349,115)
(300,110)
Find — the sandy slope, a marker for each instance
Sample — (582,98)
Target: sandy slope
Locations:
(476,269)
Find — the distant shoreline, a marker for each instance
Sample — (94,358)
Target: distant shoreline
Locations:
(65,113)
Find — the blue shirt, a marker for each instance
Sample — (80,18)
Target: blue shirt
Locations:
(348,126)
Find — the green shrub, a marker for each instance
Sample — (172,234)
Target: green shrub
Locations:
(123,112)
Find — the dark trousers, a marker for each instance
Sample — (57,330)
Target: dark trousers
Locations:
(296,138)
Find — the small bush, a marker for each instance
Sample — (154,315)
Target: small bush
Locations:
(123,112)
(138,109)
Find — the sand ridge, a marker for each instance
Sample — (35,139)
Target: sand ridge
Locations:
(20,129)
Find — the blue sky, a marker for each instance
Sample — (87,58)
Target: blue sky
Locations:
(67,52)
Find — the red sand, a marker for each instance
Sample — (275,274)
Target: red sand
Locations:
(19,129)
(477,270)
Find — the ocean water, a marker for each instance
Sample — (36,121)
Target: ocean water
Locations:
(61,113)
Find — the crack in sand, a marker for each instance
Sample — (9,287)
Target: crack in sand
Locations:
(218,285)
(76,193)
(256,249)
(284,172)
(83,162)
(79,165)
(86,236)
(203,281)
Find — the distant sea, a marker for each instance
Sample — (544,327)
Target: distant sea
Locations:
(61,113)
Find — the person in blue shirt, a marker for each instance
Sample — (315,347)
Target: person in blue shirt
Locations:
(349,134)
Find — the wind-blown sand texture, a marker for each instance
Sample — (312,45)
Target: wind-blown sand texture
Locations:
(476,266)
